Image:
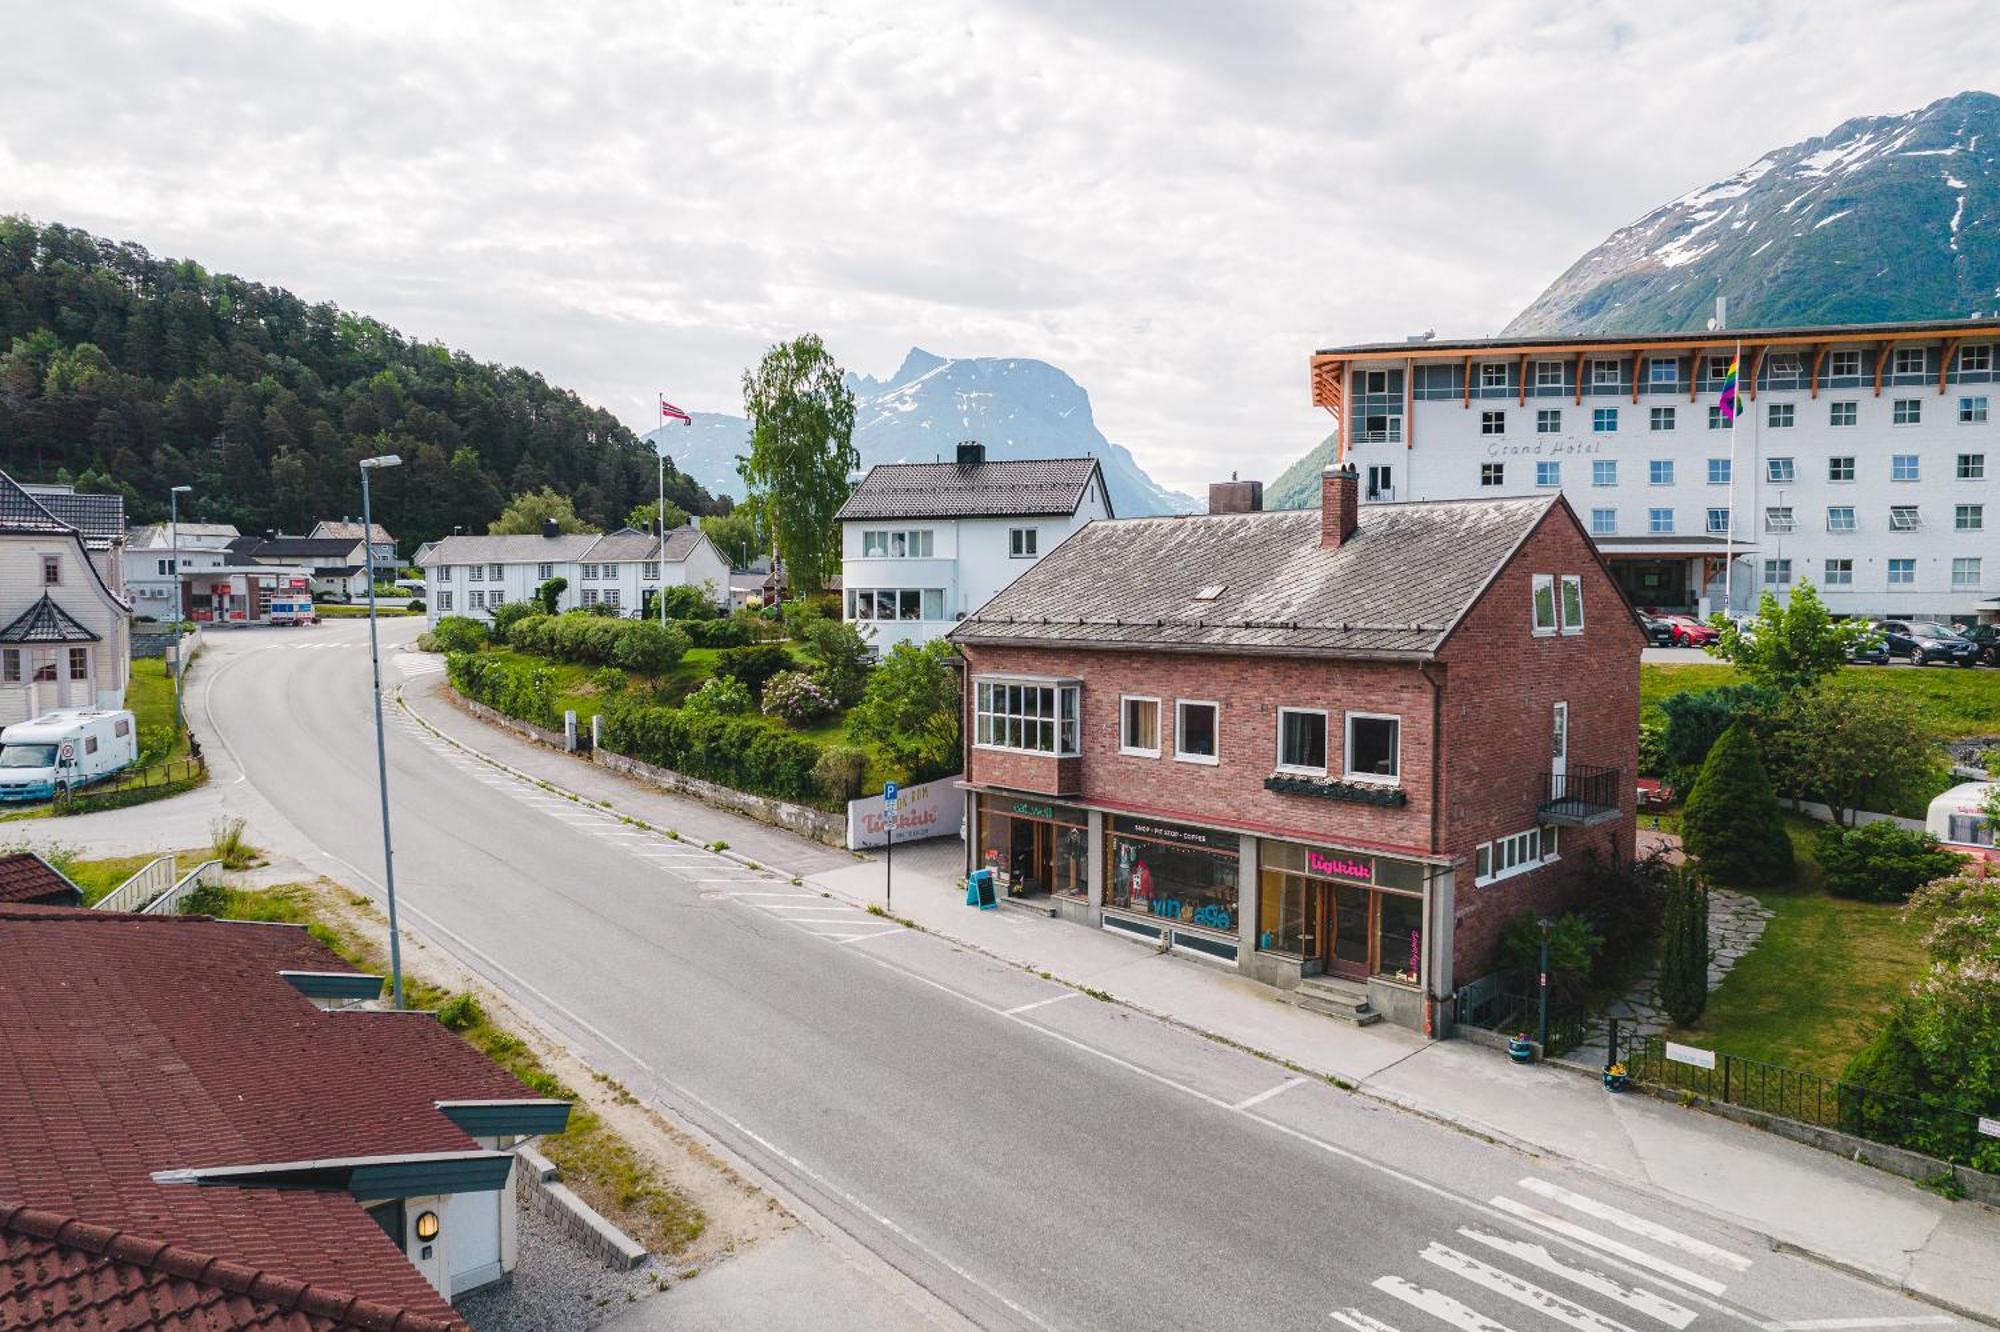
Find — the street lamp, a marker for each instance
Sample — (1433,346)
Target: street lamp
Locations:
(1545,924)
(174,562)
(381,749)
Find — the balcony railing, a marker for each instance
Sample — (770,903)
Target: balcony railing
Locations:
(1582,796)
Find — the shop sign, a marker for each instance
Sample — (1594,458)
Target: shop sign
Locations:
(1028,810)
(934,809)
(1178,835)
(1349,869)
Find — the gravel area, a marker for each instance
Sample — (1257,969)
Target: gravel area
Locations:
(556,1287)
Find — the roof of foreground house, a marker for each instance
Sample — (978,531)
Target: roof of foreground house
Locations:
(23,512)
(351,531)
(1394,589)
(46,622)
(1000,488)
(101,518)
(183,1132)
(569,548)
(26,877)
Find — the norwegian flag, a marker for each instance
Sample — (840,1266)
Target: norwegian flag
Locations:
(669,412)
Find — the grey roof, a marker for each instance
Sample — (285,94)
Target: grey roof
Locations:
(624,546)
(307,548)
(46,622)
(1396,588)
(1002,488)
(159,535)
(346,528)
(22,512)
(681,543)
(527,548)
(98,517)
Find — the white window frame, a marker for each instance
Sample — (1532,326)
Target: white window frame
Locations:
(1065,746)
(495,573)
(1516,853)
(1968,517)
(650,571)
(1548,420)
(1719,471)
(1966,572)
(1571,583)
(610,597)
(1023,543)
(1915,468)
(1780,518)
(1844,365)
(444,600)
(1969,467)
(1780,471)
(590,596)
(1975,359)
(1717,520)
(1181,705)
(1549,473)
(1780,415)
(1537,585)
(1661,420)
(1604,420)
(1778,572)
(1909,565)
(1492,474)
(1906,517)
(543,572)
(475,573)
(1326,741)
(1549,374)
(1670,364)
(1604,471)
(1125,745)
(1493,423)
(1347,749)
(1906,412)
(1493,374)
(1972,410)
(1841,576)
(1604,372)
(1834,524)
(1659,471)
(1660,521)
(476,599)
(1609,524)
(1840,462)
(1907,361)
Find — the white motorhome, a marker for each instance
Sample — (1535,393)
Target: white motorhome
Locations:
(61,751)
(1958,816)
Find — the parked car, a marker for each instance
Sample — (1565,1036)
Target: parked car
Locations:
(60,751)
(1925,642)
(1658,632)
(1873,653)
(1985,638)
(1690,632)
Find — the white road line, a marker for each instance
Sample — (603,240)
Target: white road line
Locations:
(1638,1225)
(1836,1324)
(1438,1305)
(1359,1321)
(1707,1285)
(1508,1286)
(741,893)
(1656,1307)
(1040,1003)
(856,938)
(1267,1094)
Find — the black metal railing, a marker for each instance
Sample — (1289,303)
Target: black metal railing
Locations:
(181,771)
(1510,1005)
(1583,793)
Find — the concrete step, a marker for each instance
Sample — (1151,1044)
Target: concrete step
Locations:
(1340,1000)
(1034,906)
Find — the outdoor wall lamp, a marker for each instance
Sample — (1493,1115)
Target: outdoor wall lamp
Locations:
(427,1226)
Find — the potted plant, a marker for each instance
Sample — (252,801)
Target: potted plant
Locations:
(1616,1078)
(1520,1049)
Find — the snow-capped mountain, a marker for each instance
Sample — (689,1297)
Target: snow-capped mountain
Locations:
(1018,408)
(1886,218)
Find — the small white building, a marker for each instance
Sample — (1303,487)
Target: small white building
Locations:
(338,564)
(470,575)
(923,545)
(153,568)
(65,629)
(346,529)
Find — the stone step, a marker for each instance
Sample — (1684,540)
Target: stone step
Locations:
(1034,906)
(1346,1003)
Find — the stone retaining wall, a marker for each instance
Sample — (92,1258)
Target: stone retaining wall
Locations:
(556,1204)
(817,824)
(553,738)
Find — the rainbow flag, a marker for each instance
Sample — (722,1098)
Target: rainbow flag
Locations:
(1728,400)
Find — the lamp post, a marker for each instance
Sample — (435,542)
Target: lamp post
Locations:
(174,562)
(1543,1022)
(381,749)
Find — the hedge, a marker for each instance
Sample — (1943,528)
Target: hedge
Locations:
(526,692)
(716,633)
(740,752)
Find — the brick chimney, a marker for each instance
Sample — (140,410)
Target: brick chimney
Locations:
(1339,504)
(1233,496)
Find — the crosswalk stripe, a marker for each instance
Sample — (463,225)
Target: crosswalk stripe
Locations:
(1639,1300)
(1546,1303)
(1438,1305)
(1706,1285)
(1638,1225)
(1359,1321)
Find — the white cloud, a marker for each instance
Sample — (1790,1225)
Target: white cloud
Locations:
(1175,202)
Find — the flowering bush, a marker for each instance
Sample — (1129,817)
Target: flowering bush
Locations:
(720,696)
(797,698)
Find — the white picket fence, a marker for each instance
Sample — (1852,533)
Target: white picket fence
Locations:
(154,891)
(169,902)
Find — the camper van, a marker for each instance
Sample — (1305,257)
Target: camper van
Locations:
(288,607)
(61,751)
(1958,819)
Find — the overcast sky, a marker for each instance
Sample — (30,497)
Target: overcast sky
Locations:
(1175,202)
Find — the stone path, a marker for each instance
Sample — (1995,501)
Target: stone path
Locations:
(1736,922)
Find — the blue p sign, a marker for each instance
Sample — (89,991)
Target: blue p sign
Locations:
(889,793)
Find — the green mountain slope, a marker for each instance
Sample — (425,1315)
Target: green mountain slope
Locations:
(1297,487)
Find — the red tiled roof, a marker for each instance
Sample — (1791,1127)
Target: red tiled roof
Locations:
(136,1044)
(26,877)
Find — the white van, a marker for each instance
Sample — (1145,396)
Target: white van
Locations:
(292,608)
(1958,817)
(63,750)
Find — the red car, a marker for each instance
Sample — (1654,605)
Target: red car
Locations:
(1690,632)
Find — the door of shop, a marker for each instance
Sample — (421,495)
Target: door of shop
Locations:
(1346,927)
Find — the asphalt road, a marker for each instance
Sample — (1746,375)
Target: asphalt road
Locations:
(1031,1156)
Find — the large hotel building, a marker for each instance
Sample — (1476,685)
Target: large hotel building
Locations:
(1860,460)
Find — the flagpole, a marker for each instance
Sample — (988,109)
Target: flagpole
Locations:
(1729,535)
(660,593)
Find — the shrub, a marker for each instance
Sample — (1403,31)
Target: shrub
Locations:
(743,752)
(1625,901)
(608,680)
(1653,749)
(840,659)
(1697,719)
(508,614)
(549,594)
(755,664)
(533,633)
(1857,750)
(416,604)
(909,709)
(839,773)
(1880,862)
(585,638)
(1684,949)
(1731,824)
(720,696)
(716,633)
(1574,946)
(797,698)
(461,1012)
(459,633)
(648,648)
(206,899)
(800,615)
(227,841)
(685,603)
(526,692)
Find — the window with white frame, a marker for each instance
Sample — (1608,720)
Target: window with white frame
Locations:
(1784,368)
(1031,716)
(1374,746)
(1195,731)
(1604,373)
(1604,472)
(1718,521)
(1660,522)
(1493,474)
(1777,573)
(589,596)
(1302,741)
(497,597)
(1023,542)
(1572,604)
(1781,415)
(1838,573)
(1548,374)
(444,601)
(1843,413)
(1493,374)
(1972,411)
(475,573)
(588,571)
(1976,359)
(10,665)
(1964,574)
(1604,522)
(1968,518)
(1907,411)
(611,595)
(1902,573)
(1505,857)
(1660,471)
(51,570)
(1548,420)
(895,603)
(1844,365)
(1904,467)
(1779,471)
(1718,368)
(1778,518)
(494,573)
(1493,423)
(1904,518)
(1840,467)
(650,571)
(1661,418)
(1663,370)
(1908,361)
(476,599)
(1139,726)
(609,571)
(1603,420)
(1718,471)
(1548,473)
(1716,420)
(1543,592)
(887,544)
(1971,467)
(1840,517)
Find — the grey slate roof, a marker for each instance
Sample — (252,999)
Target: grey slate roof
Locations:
(22,512)
(302,548)
(1001,488)
(528,548)
(1395,588)
(681,543)
(624,546)
(100,518)
(46,622)
(328,527)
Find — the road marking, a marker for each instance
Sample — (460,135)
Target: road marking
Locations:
(1638,1225)
(1438,1305)
(1039,1003)
(857,938)
(742,893)
(1505,1284)
(1707,1285)
(1359,1321)
(1656,1307)
(1835,1324)
(1268,1093)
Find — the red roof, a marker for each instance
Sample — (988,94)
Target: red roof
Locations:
(135,1044)
(26,877)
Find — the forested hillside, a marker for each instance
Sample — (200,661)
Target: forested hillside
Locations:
(130,373)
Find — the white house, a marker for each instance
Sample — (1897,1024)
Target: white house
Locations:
(923,545)
(339,564)
(346,529)
(153,570)
(470,575)
(66,640)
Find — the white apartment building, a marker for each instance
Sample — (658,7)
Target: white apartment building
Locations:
(470,575)
(923,545)
(1864,457)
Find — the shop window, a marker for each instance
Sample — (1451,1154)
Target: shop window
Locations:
(1301,741)
(1374,745)
(1140,727)
(1034,848)
(1034,718)
(1195,732)
(1177,873)
(1399,949)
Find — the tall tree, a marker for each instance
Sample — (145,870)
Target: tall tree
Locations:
(801,454)
(525,514)
(1731,824)
(1791,646)
(1684,948)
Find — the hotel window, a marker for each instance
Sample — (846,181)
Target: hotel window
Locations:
(1025,716)
(1779,519)
(1023,542)
(1971,411)
(1660,418)
(1548,473)
(1603,420)
(1718,368)
(1660,522)
(1902,573)
(1969,518)
(1975,360)
(1548,420)
(1374,745)
(1716,420)
(1904,518)
(1548,374)
(1663,370)
(1493,423)
(1843,413)
(1777,573)
(1779,471)
(1838,573)
(1840,467)
(1908,361)
(1139,726)
(477,599)
(1784,370)
(1718,471)
(1718,521)
(1908,411)
(1604,522)
(1572,603)
(650,571)
(1904,467)
(1544,592)
(1301,741)
(544,572)
(79,658)
(1492,474)
(1840,518)
(1844,365)
(1964,574)
(1493,374)
(1604,472)
(1781,415)
(444,601)
(1972,467)
(1660,471)
(1195,732)
(1604,373)
(493,573)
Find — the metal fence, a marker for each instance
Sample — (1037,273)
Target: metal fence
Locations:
(153,776)
(1505,1004)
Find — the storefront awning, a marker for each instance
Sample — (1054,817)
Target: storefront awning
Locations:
(1668,547)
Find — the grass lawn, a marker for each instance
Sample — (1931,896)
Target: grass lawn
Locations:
(1959,703)
(150,696)
(98,877)
(384,609)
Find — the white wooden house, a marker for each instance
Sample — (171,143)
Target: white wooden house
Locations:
(65,630)
(470,575)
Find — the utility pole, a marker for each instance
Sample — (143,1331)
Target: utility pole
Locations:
(381,748)
(174,562)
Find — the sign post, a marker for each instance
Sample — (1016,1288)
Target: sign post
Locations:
(889,791)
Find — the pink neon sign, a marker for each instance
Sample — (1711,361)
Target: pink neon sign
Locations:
(1355,870)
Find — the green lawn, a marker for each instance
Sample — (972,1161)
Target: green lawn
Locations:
(385,609)
(150,696)
(1959,703)
(98,877)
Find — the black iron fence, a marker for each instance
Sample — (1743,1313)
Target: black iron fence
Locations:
(133,783)
(1511,1006)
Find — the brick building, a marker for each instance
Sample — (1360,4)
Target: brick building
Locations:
(1334,748)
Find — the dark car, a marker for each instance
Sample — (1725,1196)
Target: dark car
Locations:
(1924,642)
(1875,652)
(1658,632)
(1985,638)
